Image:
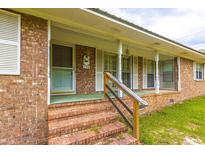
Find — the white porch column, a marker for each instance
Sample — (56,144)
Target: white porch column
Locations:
(157,73)
(120,64)
(49,73)
(179,74)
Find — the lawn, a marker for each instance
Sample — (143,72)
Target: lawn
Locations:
(174,123)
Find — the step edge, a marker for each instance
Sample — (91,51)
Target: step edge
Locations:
(119,129)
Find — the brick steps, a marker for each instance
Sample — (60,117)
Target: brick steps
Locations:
(91,122)
(80,103)
(120,139)
(64,112)
(90,136)
(79,123)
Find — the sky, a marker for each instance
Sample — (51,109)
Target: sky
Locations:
(186,26)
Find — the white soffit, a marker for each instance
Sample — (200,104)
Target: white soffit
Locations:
(90,21)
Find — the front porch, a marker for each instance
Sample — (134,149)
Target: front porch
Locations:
(78,62)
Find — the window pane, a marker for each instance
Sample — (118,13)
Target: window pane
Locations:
(167,72)
(126,71)
(150,73)
(62,80)
(199,71)
(200,75)
(110,64)
(62,56)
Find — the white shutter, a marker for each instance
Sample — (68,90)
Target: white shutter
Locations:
(194,70)
(99,70)
(9,43)
(135,72)
(144,73)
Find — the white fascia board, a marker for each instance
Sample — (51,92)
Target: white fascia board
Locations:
(138,30)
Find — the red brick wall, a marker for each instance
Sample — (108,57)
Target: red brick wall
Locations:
(23,98)
(140,73)
(85,78)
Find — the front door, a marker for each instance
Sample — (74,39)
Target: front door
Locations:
(62,69)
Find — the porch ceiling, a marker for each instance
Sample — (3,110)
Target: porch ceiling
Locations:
(90,22)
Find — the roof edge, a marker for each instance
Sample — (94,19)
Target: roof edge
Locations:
(106,14)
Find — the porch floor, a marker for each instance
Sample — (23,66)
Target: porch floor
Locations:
(86,97)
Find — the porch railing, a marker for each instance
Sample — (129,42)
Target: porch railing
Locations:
(138,102)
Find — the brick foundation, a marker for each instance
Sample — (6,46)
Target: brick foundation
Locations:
(23,98)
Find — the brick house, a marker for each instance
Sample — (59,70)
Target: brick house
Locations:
(52,64)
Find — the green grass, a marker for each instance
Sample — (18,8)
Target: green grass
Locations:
(95,129)
(173,124)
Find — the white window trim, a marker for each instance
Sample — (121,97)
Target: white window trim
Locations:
(194,71)
(17,72)
(53,41)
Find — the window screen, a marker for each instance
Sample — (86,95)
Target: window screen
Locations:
(150,73)
(110,64)
(62,56)
(168,72)
(199,71)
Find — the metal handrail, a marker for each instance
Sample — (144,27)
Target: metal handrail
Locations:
(137,101)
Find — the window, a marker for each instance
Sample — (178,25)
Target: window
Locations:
(62,56)
(126,76)
(167,74)
(62,69)
(9,43)
(148,73)
(198,71)
(110,64)
(167,70)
